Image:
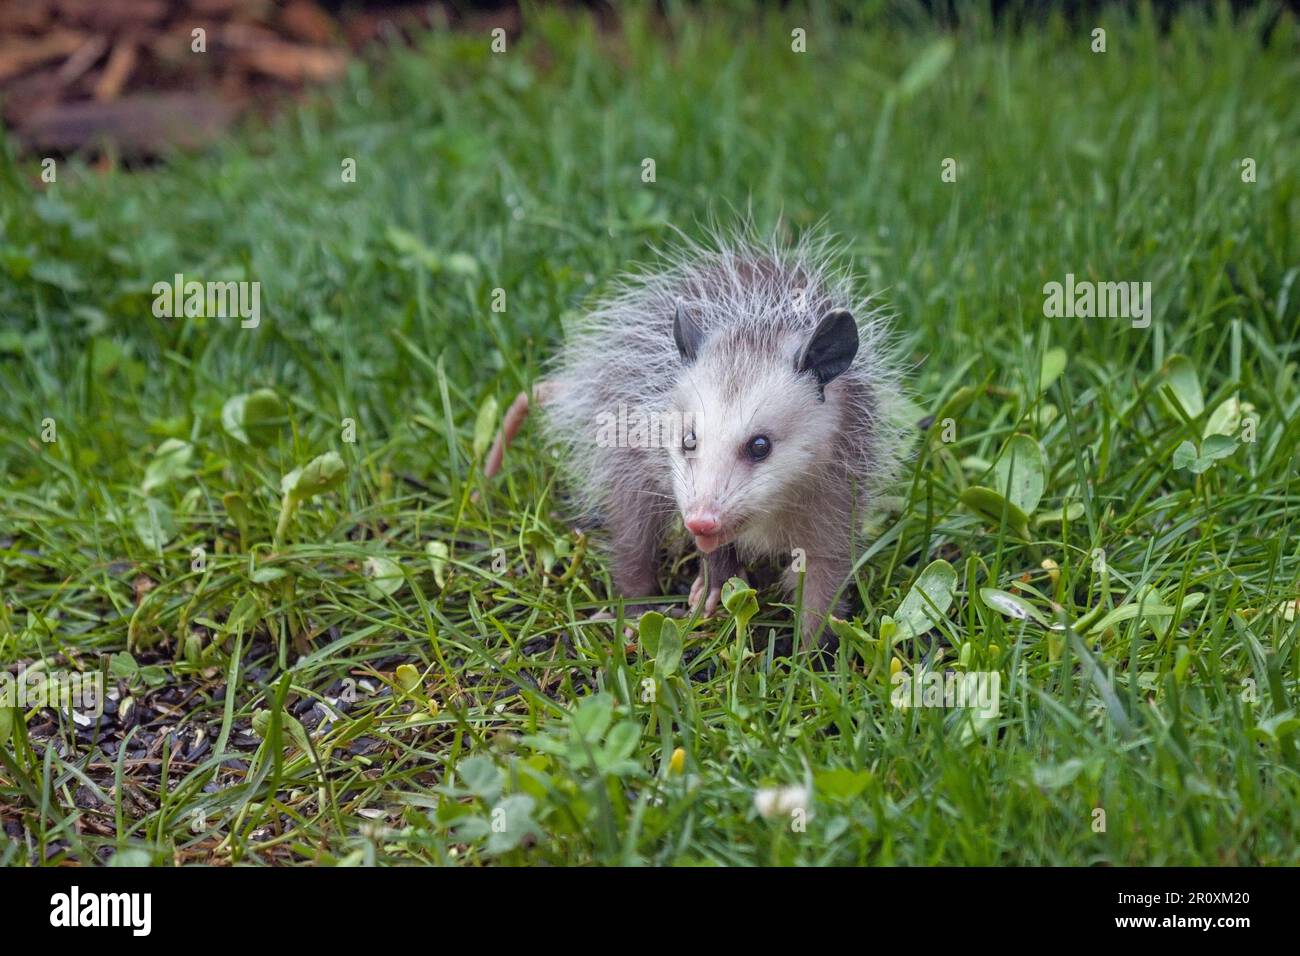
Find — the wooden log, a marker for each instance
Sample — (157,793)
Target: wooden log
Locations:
(143,124)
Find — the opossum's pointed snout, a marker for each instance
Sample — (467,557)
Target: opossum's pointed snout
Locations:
(703,522)
(706,527)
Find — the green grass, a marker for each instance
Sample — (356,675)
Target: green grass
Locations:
(483,697)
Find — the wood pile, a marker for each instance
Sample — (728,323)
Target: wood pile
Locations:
(147,76)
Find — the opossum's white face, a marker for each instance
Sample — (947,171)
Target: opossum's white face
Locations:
(755,426)
(746,454)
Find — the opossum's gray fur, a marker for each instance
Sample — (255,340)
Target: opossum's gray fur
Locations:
(755,299)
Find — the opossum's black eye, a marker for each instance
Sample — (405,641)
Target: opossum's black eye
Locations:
(759,447)
(688,441)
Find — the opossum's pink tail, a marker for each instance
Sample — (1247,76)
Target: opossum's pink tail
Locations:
(513,421)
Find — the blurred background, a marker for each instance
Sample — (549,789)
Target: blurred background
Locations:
(81,75)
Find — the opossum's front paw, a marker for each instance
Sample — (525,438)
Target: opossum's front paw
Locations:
(704,599)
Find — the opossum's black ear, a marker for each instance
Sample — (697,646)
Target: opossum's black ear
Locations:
(687,334)
(830,349)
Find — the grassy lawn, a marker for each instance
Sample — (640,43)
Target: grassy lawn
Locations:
(389,668)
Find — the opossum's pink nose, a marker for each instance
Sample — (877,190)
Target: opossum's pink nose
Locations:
(705,526)
(703,523)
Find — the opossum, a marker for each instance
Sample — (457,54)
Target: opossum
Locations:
(742,388)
